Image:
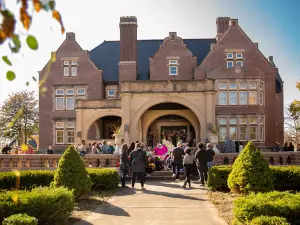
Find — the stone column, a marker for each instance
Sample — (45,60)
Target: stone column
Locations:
(126,117)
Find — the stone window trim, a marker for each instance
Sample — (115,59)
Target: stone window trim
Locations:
(259,125)
(239,55)
(173,66)
(110,91)
(229,55)
(233,100)
(230,64)
(62,130)
(67,92)
(70,65)
(240,63)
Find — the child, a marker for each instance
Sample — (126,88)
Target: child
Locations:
(188,162)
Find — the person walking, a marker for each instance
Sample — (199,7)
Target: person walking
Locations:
(138,160)
(188,162)
(210,154)
(201,161)
(177,155)
(124,163)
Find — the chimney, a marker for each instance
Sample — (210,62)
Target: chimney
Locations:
(128,38)
(128,48)
(222,26)
(70,36)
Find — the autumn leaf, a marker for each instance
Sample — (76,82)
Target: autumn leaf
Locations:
(25,18)
(6,60)
(37,5)
(8,24)
(56,15)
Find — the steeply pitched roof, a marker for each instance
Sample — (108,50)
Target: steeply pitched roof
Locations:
(106,56)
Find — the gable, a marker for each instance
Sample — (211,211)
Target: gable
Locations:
(106,56)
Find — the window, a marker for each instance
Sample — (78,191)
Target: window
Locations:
(59,92)
(240,63)
(243,133)
(243,120)
(252,97)
(60,125)
(222,134)
(111,93)
(252,120)
(59,136)
(66,63)
(252,133)
(230,64)
(261,133)
(74,63)
(173,70)
(80,91)
(232,86)
(222,121)
(70,125)
(239,55)
(74,71)
(243,98)
(222,98)
(232,121)
(229,55)
(243,85)
(66,71)
(60,103)
(70,103)
(222,86)
(232,97)
(70,136)
(261,98)
(173,62)
(252,85)
(70,92)
(233,133)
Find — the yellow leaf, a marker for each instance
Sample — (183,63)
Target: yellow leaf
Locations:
(37,5)
(15,199)
(25,18)
(24,147)
(56,15)
(17,173)
(53,57)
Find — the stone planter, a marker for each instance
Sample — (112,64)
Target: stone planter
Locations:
(214,138)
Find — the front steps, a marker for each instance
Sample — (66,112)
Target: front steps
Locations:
(163,175)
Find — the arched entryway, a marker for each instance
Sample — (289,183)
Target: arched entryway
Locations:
(169,116)
(103,128)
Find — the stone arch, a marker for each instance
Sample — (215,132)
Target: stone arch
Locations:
(136,116)
(193,121)
(92,119)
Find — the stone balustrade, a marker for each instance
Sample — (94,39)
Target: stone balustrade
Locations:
(42,162)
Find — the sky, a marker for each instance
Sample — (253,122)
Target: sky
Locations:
(273,24)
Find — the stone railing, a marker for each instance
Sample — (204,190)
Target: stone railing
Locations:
(50,162)
(167,86)
(274,158)
(98,104)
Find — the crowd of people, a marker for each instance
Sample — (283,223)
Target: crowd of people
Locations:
(142,162)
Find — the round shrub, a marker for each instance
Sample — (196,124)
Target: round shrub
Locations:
(269,220)
(71,173)
(20,219)
(250,172)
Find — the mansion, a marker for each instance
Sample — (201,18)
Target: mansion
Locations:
(160,86)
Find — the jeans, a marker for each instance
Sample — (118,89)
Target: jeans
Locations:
(210,165)
(138,175)
(202,170)
(188,172)
(123,176)
(176,169)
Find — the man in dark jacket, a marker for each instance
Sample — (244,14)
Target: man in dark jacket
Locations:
(177,158)
(201,160)
(210,154)
(6,149)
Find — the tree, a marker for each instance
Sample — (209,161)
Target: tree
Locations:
(250,172)
(292,123)
(8,33)
(71,173)
(19,116)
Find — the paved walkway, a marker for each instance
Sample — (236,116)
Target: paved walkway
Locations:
(163,203)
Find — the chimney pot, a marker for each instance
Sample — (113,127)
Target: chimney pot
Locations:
(233,22)
(70,36)
(222,26)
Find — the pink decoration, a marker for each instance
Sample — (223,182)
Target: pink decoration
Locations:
(161,150)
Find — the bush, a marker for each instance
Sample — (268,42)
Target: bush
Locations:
(217,178)
(280,204)
(285,178)
(71,173)
(104,178)
(49,206)
(269,220)
(250,172)
(20,219)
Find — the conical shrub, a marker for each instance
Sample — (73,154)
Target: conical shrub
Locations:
(250,172)
(71,173)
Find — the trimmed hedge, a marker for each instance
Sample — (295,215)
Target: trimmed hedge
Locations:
(20,219)
(49,205)
(280,204)
(269,220)
(285,178)
(102,178)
